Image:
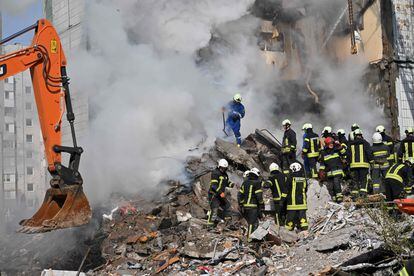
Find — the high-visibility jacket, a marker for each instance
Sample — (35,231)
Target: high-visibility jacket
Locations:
(380,154)
(219,182)
(331,162)
(289,141)
(407,148)
(389,142)
(297,188)
(359,154)
(250,194)
(344,144)
(311,144)
(277,184)
(401,173)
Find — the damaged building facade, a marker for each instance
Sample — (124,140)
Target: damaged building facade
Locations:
(380,33)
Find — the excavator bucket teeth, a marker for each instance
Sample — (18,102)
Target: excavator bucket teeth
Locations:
(62,208)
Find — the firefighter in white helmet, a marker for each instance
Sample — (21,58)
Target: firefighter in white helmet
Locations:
(250,200)
(296,198)
(217,192)
(379,163)
(389,142)
(277,184)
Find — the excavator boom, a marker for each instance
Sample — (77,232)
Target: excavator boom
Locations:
(65,204)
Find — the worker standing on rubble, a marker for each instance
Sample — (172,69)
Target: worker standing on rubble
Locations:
(407,145)
(217,192)
(289,144)
(359,158)
(379,163)
(398,180)
(389,142)
(331,167)
(296,198)
(354,127)
(277,184)
(344,144)
(310,149)
(250,200)
(235,112)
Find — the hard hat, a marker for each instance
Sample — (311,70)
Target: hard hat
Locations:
(357,131)
(329,140)
(380,128)
(237,98)
(223,163)
(307,126)
(340,131)
(327,129)
(354,126)
(377,138)
(286,122)
(256,171)
(246,173)
(410,130)
(295,167)
(274,167)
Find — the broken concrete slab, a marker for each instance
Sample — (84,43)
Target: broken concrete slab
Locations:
(333,243)
(235,154)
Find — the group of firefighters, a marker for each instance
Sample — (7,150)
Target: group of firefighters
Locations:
(378,168)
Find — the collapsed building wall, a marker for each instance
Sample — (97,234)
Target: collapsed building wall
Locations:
(292,33)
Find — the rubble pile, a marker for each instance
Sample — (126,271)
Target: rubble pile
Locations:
(139,235)
(171,234)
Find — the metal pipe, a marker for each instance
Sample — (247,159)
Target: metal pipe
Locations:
(13,36)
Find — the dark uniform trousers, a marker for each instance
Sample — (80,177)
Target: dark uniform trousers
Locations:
(334,187)
(217,202)
(359,181)
(378,176)
(251,215)
(393,189)
(296,218)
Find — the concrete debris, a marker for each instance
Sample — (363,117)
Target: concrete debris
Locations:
(50,272)
(169,234)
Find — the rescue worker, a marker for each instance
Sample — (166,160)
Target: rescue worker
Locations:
(380,164)
(289,144)
(304,157)
(277,184)
(250,200)
(354,127)
(310,149)
(398,180)
(407,145)
(331,165)
(389,142)
(327,132)
(296,199)
(235,112)
(359,157)
(217,192)
(344,143)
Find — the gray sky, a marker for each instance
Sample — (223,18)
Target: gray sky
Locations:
(14,22)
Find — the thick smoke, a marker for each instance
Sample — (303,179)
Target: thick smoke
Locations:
(150,102)
(158,72)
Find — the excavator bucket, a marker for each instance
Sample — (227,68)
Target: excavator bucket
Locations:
(62,208)
(405,205)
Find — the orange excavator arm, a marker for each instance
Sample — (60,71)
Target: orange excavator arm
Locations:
(65,204)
